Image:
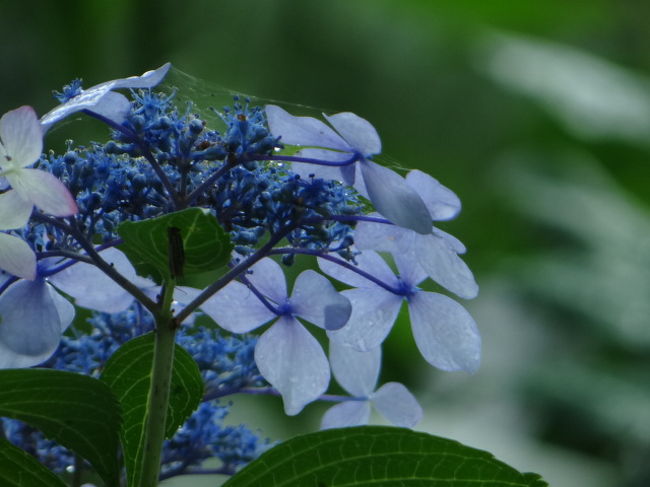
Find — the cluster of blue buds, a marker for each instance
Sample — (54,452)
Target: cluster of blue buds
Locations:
(280,186)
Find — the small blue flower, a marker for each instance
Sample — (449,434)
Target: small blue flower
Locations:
(355,141)
(444,331)
(357,372)
(286,354)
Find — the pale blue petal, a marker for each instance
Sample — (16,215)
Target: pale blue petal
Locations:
(93,289)
(31,326)
(305,131)
(267,276)
(306,170)
(357,372)
(357,131)
(456,245)
(64,308)
(235,308)
(408,267)
(112,106)
(395,199)
(16,257)
(441,263)
(346,415)
(87,99)
(373,314)
(444,332)
(148,79)
(315,299)
(382,237)
(442,203)
(395,403)
(93,97)
(293,362)
(367,261)
(14,210)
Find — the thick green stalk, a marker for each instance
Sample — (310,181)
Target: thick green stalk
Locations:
(158,399)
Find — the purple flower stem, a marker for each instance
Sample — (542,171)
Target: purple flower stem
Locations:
(336,260)
(262,157)
(189,199)
(235,272)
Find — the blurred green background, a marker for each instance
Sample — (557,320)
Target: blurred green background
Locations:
(536,113)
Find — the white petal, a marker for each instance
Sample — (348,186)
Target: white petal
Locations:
(293,362)
(395,199)
(373,314)
(346,415)
(315,299)
(442,203)
(21,137)
(306,131)
(16,257)
(31,324)
(444,332)
(44,190)
(441,263)
(357,372)
(93,289)
(235,308)
(267,276)
(14,210)
(395,403)
(357,131)
(367,261)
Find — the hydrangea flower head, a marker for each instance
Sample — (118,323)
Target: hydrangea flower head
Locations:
(348,150)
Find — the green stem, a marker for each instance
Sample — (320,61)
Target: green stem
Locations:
(158,399)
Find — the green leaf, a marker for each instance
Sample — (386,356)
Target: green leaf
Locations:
(206,246)
(77,411)
(128,374)
(381,457)
(19,469)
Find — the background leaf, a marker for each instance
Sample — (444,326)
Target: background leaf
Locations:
(207,246)
(19,469)
(77,411)
(128,373)
(381,457)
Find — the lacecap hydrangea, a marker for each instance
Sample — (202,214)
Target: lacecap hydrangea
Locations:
(280,186)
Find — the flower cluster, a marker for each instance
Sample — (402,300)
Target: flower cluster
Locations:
(279,186)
